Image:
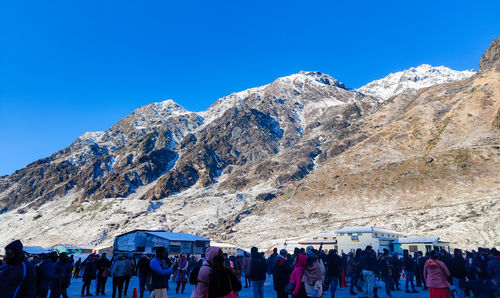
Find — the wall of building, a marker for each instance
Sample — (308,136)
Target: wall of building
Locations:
(423,247)
(347,243)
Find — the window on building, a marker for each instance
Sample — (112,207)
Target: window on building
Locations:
(350,234)
(175,249)
(359,234)
(141,248)
(413,248)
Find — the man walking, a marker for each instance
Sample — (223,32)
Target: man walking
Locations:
(368,267)
(334,265)
(410,268)
(102,265)
(258,269)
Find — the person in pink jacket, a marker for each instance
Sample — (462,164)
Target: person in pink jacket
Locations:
(297,273)
(436,276)
(201,289)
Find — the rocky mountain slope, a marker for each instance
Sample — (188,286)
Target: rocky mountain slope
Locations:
(300,155)
(413,78)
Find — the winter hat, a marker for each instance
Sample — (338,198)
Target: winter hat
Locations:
(16,246)
(310,254)
(283,252)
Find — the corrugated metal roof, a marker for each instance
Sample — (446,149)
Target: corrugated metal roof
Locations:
(416,240)
(177,236)
(35,250)
(367,229)
(325,234)
(307,242)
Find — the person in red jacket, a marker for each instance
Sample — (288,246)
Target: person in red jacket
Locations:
(436,276)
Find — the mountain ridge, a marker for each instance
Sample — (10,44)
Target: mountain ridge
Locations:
(249,152)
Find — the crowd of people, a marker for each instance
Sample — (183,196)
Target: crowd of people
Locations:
(305,273)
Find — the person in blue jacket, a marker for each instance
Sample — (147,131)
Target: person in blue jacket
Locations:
(159,273)
(17,276)
(48,274)
(63,277)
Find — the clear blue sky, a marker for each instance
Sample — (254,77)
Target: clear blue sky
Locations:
(67,67)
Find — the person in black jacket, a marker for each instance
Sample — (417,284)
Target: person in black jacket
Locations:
(63,277)
(396,271)
(368,268)
(334,267)
(143,271)
(89,273)
(257,276)
(419,274)
(480,264)
(282,271)
(410,268)
(103,266)
(223,280)
(17,276)
(457,271)
(386,271)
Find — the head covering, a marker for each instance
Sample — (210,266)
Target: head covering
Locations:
(310,254)
(301,261)
(283,252)
(211,252)
(16,246)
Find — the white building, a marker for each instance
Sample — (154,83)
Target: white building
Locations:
(230,249)
(351,238)
(423,244)
(326,241)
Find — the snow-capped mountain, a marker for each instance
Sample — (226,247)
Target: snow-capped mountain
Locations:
(293,157)
(413,78)
(297,81)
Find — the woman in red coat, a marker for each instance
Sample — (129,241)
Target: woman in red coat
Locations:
(436,276)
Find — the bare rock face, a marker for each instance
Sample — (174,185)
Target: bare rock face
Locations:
(303,153)
(491,56)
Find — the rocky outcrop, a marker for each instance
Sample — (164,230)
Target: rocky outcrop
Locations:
(491,56)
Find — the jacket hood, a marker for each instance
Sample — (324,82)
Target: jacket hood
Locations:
(301,260)
(211,252)
(432,263)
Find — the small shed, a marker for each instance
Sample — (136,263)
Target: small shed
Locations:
(145,240)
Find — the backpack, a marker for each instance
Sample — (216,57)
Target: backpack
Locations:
(193,276)
(219,284)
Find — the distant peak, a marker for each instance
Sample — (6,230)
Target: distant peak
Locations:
(413,78)
(169,106)
(316,76)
